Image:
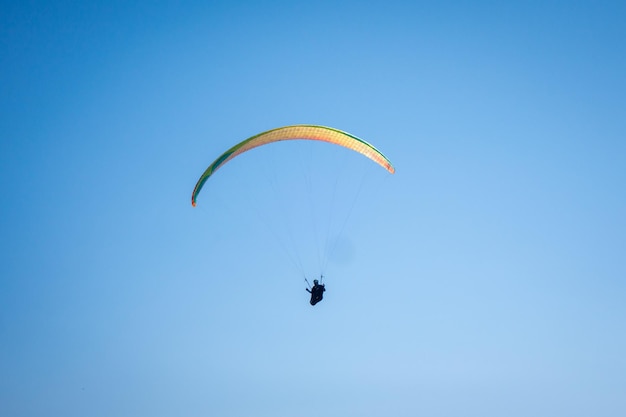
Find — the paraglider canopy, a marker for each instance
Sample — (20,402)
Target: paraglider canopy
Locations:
(295,132)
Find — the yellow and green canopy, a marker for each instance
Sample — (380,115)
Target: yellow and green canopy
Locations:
(295,132)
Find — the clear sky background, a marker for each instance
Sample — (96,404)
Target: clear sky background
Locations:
(487,277)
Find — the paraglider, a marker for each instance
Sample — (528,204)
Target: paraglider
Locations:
(297,132)
(317,292)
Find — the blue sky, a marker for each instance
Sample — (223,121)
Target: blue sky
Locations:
(485,278)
